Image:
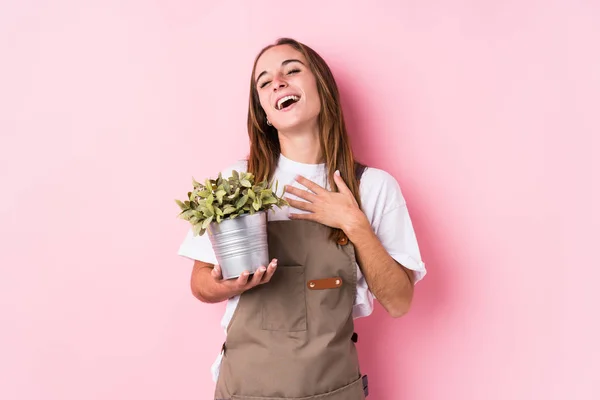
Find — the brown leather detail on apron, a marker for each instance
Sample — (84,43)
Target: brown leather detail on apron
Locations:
(288,341)
(327,283)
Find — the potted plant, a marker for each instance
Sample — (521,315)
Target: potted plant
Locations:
(233,212)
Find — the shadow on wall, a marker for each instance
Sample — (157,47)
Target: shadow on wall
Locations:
(388,348)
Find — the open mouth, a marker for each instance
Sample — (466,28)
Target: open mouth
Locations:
(286,102)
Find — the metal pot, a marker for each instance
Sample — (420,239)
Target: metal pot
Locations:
(240,244)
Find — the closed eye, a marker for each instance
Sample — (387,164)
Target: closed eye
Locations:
(290,72)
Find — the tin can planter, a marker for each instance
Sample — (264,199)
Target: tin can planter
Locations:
(233,212)
(240,244)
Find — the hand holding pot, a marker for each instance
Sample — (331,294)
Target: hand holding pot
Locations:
(244,282)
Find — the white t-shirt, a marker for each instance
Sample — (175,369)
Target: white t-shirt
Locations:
(382,203)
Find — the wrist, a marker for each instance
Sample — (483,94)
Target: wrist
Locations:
(356,224)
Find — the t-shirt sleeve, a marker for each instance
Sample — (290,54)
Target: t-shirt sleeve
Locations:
(199,247)
(386,208)
(396,233)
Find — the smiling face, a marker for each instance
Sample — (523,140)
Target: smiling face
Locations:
(287,89)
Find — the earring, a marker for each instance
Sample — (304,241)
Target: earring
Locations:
(269,122)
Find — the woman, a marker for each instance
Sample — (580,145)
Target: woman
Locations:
(345,238)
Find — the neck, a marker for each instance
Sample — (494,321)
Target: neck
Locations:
(301,145)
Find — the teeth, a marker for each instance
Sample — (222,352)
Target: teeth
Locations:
(286,98)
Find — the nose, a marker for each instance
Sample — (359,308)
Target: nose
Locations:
(279,82)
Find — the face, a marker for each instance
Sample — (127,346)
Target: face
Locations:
(287,88)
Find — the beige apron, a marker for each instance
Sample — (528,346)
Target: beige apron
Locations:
(293,337)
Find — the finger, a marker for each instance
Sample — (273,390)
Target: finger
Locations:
(341,184)
(307,183)
(242,280)
(303,194)
(270,271)
(300,205)
(258,276)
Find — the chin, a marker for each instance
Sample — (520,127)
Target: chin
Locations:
(297,123)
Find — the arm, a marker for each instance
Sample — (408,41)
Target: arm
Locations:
(390,282)
(208,285)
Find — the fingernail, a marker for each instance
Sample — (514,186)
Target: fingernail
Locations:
(245,273)
(262,269)
(274,263)
(337,172)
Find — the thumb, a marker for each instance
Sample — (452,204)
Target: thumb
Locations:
(216,272)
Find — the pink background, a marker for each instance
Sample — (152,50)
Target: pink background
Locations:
(485,111)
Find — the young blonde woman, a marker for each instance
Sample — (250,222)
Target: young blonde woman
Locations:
(346,238)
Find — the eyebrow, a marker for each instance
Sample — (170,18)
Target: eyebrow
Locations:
(283,64)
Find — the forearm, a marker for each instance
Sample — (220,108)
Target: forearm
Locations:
(389,281)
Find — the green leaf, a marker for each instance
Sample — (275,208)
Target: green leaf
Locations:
(186,215)
(241,201)
(197,229)
(245,183)
(210,199)
(207,222)
(234,195)
(220,194)
(235,175)
(180,204)
(281,203)
(218,211)
(198,214)
(262,185)
(204,193)
(251,194)
(229,209)
(207,212)
(218,219)
(269,200)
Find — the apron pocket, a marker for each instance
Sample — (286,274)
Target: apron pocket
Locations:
(283,300)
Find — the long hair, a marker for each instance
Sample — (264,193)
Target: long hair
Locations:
(335,144)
